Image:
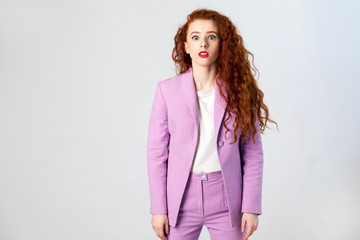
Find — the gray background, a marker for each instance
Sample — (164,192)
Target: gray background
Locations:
(77,80)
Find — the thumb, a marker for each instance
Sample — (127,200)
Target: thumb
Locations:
(243,221)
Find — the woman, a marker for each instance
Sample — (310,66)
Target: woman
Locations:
(198,174)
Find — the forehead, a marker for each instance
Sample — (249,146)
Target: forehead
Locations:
(202,26)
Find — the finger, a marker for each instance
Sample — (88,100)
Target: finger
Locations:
(246,236)
(166,228)
(249,231)
(160,234)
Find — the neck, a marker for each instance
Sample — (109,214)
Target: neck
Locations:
(204,77)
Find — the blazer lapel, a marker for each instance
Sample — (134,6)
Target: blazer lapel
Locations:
(190,97)
(219,109)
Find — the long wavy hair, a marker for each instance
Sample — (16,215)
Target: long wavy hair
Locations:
(244,98)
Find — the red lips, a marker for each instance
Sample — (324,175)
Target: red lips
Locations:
(203,54)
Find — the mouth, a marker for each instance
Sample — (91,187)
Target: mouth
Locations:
(203,54)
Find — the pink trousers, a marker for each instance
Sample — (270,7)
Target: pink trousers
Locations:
(204,203)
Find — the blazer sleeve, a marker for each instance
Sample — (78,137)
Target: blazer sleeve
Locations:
(252,158)
(157,153)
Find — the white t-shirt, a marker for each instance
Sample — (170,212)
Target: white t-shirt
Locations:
(206,156)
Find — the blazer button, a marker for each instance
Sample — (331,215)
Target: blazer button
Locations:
(221,143)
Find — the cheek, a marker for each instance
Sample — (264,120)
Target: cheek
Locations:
(218,48)
(217,51)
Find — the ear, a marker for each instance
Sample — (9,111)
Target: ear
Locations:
(186,47)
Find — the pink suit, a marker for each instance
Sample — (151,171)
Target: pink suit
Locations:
(172,140)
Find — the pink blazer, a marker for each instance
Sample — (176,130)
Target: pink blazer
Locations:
(172,140)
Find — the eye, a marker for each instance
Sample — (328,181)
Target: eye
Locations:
(212,36)
(195,37)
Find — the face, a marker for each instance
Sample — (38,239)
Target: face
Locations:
(202,42)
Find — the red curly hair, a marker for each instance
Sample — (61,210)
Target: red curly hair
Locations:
(244,98)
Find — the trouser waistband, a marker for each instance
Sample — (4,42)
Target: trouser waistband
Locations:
(205,176)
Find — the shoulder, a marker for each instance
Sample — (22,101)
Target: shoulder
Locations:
(170,84)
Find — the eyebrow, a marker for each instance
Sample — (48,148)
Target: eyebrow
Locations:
(206,32)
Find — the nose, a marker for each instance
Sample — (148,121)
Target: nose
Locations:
(204,43)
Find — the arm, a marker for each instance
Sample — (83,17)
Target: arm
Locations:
(252,164)
(157,153)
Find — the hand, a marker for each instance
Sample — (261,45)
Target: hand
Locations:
(159,222)
(251,219)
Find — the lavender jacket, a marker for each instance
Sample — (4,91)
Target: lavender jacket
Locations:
(172,140)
